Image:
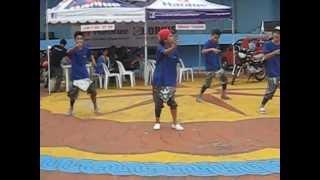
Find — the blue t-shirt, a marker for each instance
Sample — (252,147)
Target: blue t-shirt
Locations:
(273,64)
(212,60)
(165,73)
(99,65)
(79,59)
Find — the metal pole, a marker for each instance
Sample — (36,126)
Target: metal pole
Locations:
(48,55)
(47,26)
(233,35)
(146,77)
(233,41)
(233,30)
(199,57)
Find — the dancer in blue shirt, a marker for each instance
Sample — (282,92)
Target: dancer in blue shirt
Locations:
(271,52)
(80,56)
(214,68)
(165,77)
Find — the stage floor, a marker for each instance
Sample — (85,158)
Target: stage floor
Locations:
(232,136)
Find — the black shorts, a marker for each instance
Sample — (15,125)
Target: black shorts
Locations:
(74,91)
(159,102)
(56,72)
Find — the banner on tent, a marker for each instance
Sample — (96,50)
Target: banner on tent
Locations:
(131,35)
(190,26)
(97,27)
(187,14)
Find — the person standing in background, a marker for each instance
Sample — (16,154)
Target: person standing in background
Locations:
(57,53)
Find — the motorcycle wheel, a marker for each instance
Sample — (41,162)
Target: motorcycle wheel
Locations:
(261,75)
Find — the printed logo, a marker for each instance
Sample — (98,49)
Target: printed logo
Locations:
(152,15)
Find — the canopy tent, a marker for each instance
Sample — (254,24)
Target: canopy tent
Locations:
(177,10)
(91,11)
(186,9)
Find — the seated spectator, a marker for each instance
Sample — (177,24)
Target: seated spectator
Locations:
(112,53)
(123,53)
(245,43)
(136,59)
(100,61)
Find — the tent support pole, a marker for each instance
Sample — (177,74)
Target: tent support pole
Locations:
(47,26)
(48,55)
(233,40)
(146,76)
(233,50)
(199,58)
(233,35)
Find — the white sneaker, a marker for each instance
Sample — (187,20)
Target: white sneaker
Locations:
(199,99)
(262,110)
(70,112)
(177,127)
(97,111)
(156,126)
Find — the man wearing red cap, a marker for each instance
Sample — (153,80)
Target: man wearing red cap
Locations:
(164,79)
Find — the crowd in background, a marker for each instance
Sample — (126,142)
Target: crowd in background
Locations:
(131,57)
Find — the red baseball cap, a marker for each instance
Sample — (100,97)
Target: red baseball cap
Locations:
(163,34)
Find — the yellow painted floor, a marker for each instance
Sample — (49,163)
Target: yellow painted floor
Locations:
(117,107)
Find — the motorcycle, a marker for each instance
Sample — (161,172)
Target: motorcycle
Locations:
(249,63)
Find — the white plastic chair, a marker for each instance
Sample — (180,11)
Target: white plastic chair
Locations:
(151,67)
(107,75)
(100,77)
(123,72)
(182,70)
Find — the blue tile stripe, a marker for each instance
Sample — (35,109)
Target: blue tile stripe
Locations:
(69,165)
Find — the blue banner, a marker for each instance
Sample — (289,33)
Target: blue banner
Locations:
(188,14)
